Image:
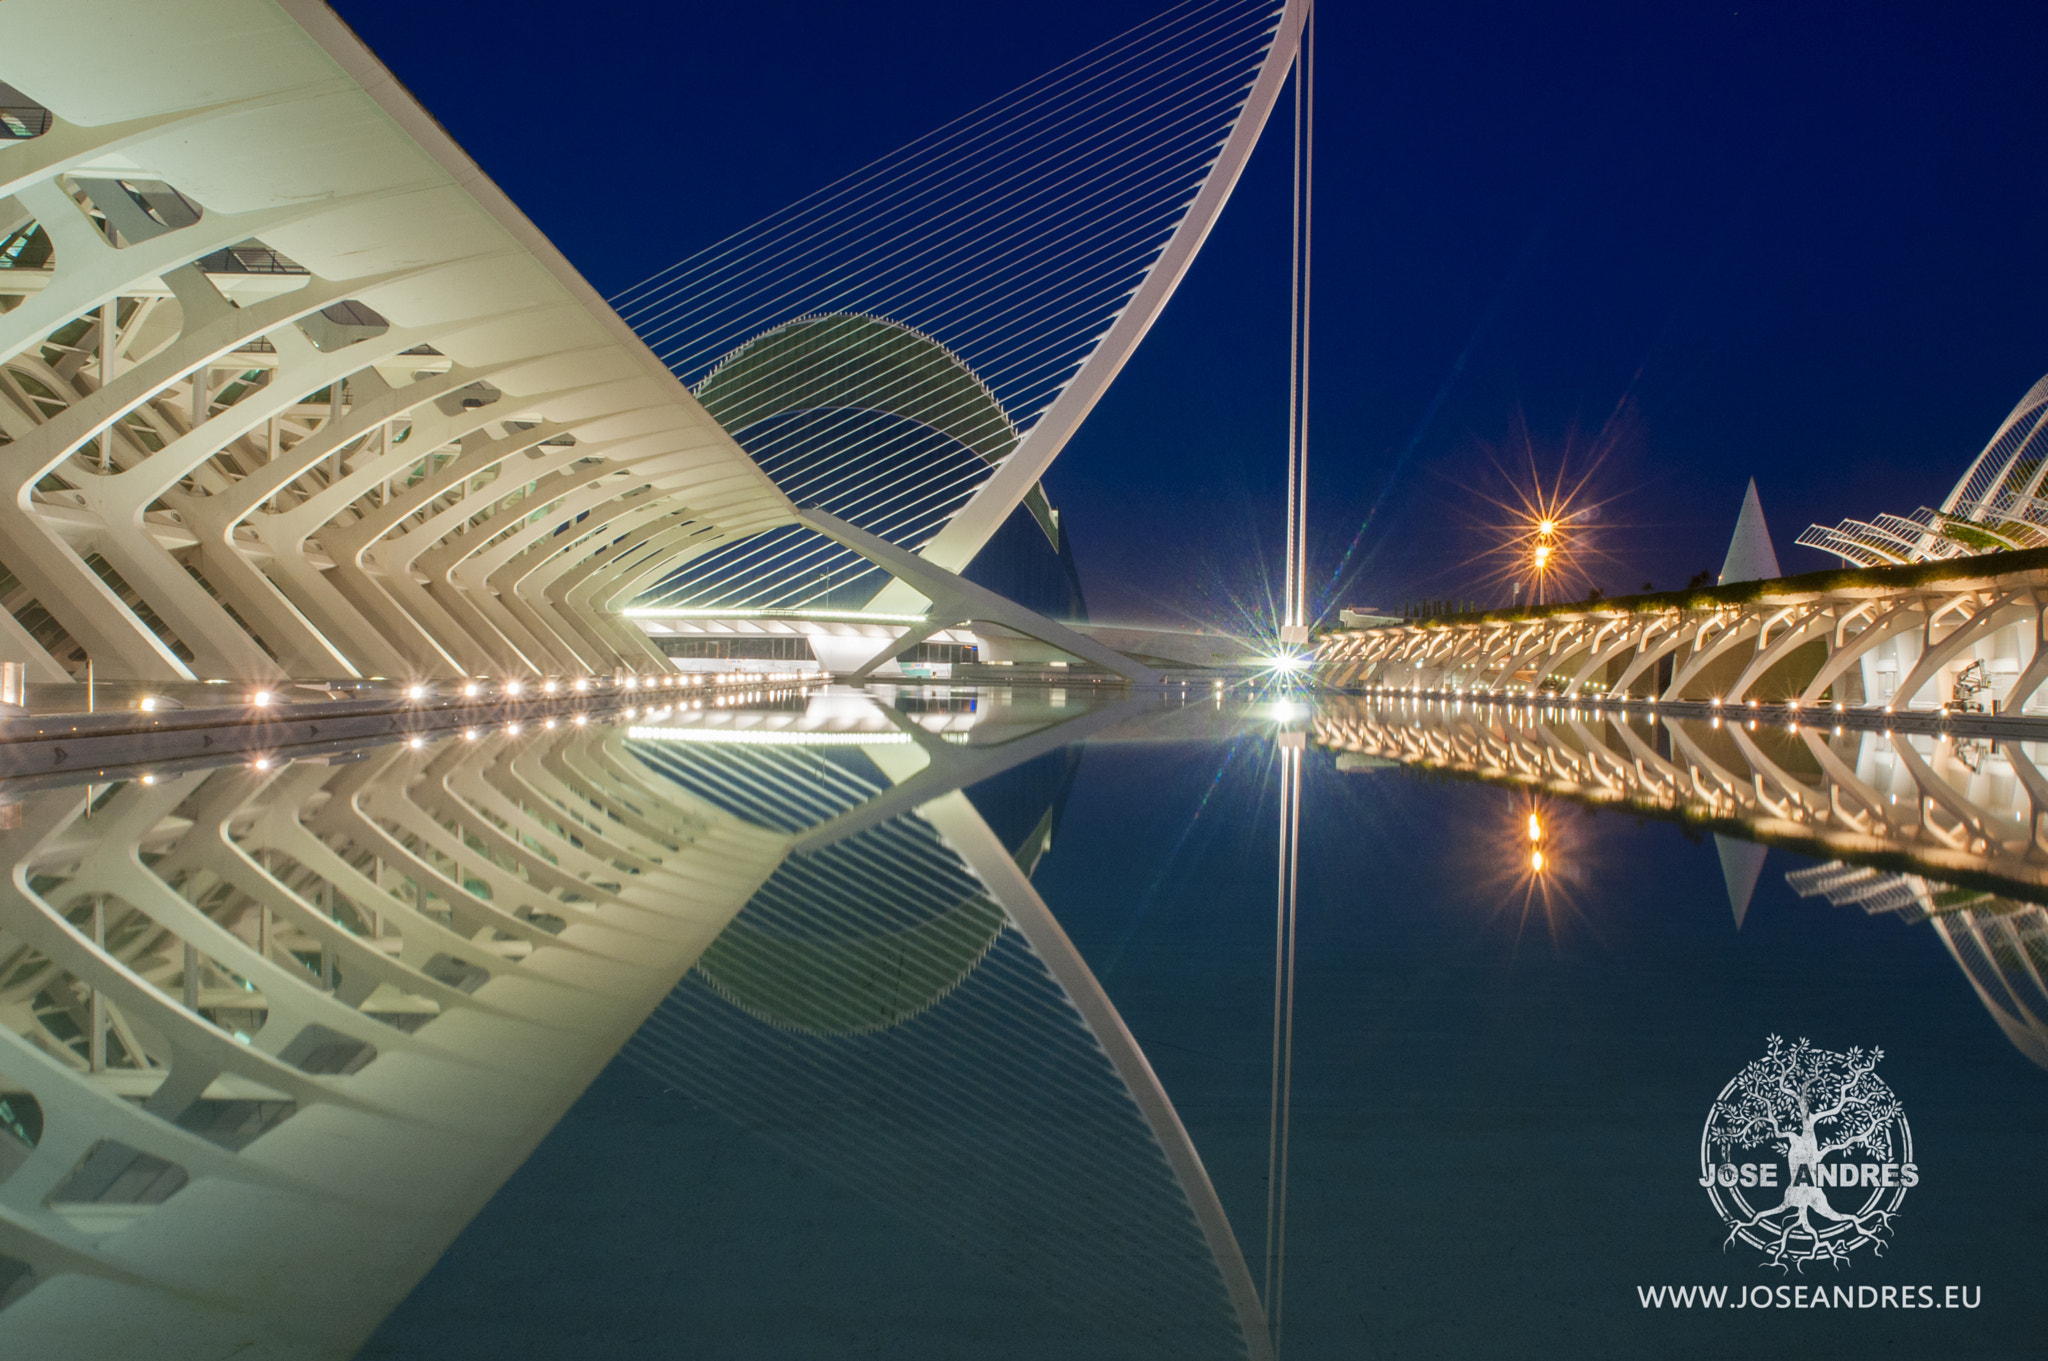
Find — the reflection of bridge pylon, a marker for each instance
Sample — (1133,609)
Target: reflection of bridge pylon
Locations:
(1287,893)
(897,1008)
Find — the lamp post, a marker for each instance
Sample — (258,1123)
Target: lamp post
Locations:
(1543,557)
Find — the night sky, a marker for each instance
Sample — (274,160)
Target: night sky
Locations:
(1704,243)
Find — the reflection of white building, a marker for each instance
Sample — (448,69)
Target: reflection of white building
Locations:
(270,1036)
(2000,943)
(1954,809)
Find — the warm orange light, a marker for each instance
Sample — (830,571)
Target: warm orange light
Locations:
(1535,828)
(1546,527)
(1536,861)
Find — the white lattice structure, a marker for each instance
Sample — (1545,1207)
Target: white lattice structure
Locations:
(1971,640)
(287,387)
(1998,505)
(269,1037)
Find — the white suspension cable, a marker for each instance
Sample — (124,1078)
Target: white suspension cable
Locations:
(1012,238)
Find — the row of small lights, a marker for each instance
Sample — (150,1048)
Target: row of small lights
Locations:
(1791,725)
(680,706)
(513,689)
(417,742)
(1595,705)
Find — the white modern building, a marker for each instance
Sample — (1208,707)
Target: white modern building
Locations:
(290,390)
(1998,504)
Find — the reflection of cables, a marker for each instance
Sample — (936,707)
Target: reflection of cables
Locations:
(1166,865)
(1286,894)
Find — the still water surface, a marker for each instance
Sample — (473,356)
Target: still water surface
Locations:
(970,1038)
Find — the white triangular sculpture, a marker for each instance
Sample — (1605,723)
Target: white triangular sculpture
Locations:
(1742,864)
(1750,557)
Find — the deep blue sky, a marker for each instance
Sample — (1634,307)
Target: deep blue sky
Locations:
(1797,243)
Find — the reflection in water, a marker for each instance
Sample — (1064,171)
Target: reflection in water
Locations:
(1966,820)
(895,1009)
(1538,862)
(2000,941)
(349,991)
(1287,898)
(354,990)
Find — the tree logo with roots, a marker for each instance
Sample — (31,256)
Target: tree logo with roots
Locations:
(1793,1127)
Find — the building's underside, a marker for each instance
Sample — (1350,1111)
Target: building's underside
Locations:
(291,389)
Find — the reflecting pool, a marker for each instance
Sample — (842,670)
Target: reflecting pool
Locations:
(1031,1022)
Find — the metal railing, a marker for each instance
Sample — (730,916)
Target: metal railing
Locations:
(249,260)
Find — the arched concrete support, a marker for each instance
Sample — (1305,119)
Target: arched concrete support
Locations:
(1842,777)
(1807,625)
(1900,618)
(2029,681)
(1937,790)
(1765,768)
(2036,785)
(1648,654)
(1626,637)
(1737,631)
(1935,656)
